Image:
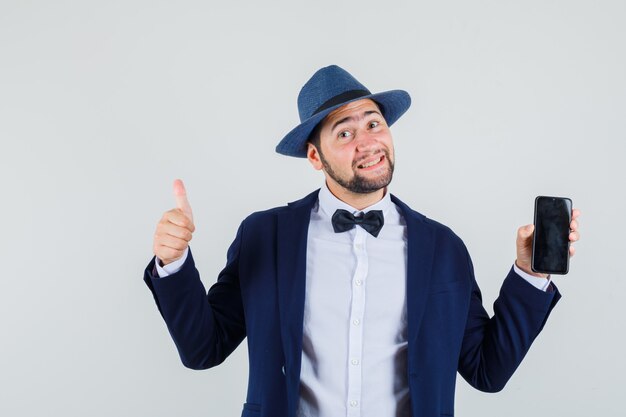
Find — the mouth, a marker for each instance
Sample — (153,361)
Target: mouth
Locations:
(372,163)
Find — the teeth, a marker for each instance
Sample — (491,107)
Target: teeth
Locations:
(369,164)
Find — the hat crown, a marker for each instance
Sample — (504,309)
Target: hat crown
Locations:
(327,90)
(324,85)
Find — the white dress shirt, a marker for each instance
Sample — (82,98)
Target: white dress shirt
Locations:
(354,350)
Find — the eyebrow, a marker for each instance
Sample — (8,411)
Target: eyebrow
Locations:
(346,119)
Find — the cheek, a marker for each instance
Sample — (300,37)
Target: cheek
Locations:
(343,156)
(348,160)
(387,144)
(388,141)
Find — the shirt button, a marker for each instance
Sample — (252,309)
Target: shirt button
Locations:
(359,246)
(354,403)
(356,322)
(355,361)
(358,282)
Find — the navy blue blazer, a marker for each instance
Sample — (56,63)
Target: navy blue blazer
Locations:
(260,295)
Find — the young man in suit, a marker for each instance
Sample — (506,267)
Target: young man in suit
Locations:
(353,304)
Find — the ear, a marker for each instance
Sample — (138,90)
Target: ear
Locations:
(313,156)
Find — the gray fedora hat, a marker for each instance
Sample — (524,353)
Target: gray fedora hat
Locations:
(328,89)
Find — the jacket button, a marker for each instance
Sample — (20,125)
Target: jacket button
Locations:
(284,370)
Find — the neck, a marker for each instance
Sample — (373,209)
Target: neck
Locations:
(357,200)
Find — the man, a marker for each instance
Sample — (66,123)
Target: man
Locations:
(353,304)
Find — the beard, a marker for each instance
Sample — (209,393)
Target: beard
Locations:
(359,184)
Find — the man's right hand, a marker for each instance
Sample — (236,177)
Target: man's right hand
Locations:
(174,230)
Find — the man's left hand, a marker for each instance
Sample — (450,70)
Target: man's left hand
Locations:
(525,244)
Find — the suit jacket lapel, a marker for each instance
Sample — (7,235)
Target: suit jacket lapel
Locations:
(420,254)
(293,226)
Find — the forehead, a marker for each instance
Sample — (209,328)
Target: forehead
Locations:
(353,108)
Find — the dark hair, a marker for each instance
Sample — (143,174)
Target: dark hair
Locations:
(315,138)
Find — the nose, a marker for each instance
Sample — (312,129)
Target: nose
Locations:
(366,141)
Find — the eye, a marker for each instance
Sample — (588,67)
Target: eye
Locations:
(373,124)
(344,134)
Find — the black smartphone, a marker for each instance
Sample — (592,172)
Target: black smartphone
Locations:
(553,216)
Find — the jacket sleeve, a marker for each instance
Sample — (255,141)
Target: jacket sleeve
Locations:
(493,348)
(206,328)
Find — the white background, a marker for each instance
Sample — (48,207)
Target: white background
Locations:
(103,104)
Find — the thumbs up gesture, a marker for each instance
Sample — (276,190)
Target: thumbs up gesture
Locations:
(174,230)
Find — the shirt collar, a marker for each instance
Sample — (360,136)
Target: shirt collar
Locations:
(328,203)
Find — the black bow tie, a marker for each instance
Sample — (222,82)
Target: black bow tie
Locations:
(372,221)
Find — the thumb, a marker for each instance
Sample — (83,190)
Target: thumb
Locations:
(180,194)
(526,231)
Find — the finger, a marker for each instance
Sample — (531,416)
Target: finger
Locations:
(572,251)
(575,213)
(574,236)
(167,255)
(573,225)
(171,242)
(524,232)
(180,194)
(174,230)
(178,218)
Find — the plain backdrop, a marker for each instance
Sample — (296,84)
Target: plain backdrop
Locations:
(104,104)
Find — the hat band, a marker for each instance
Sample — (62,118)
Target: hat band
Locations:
(341,98)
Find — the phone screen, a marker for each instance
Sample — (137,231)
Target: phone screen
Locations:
(551,236)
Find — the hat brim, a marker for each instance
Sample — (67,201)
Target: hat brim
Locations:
(393,105)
